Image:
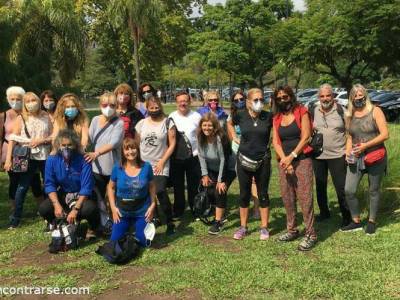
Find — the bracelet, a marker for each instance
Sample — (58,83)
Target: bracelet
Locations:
(293,154)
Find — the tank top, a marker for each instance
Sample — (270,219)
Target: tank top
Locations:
(8,129)
(363,129)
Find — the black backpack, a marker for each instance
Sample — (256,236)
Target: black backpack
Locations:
(120,251)
(64,237)
(183,148)
(202,206)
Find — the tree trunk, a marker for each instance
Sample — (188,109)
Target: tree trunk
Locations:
(136,40)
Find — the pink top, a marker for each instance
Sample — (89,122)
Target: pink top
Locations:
(8,128)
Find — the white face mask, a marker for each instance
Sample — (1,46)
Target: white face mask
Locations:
(32,106)
(17,105)
(108,111)
(257,106)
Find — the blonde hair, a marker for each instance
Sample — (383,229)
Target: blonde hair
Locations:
(209,94)
(59,116)
(157,101)
(352,95)
(126,88)
(25,112)
(108,96)
(253,91)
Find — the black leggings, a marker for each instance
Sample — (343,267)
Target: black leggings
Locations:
(217,198)
(261,177)
(88,211)
(100,189)
(162,195)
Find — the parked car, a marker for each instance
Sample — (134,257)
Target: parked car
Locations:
(342,98)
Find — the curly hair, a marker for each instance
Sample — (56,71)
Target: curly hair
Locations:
(69,135)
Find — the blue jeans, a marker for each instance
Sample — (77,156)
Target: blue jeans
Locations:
(119,229)
(23,186)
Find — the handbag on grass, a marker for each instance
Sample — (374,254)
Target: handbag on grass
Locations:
(21,155)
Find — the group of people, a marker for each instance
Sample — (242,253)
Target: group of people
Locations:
(114,170)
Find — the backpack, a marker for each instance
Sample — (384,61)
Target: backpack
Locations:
(64,237)
(120,251)
(183,148)
(202,207)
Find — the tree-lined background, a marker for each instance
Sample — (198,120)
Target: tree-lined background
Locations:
(89,46)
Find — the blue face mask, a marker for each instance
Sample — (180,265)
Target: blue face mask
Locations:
(71,112)
(240,104)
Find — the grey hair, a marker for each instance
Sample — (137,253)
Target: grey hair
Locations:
(325,86)
(70,135)
(12,90)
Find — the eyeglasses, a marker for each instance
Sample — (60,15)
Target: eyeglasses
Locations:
(104,105)
(258,100)
(213,100)
(238,100)
(284,97)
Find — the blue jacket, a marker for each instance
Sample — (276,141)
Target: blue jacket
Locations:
(73,178)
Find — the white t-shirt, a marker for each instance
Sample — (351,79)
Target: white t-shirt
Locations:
(187,124)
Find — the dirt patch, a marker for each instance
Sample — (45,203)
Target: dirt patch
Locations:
(223,242)
(38,255)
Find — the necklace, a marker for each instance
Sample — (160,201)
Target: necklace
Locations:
(255,120)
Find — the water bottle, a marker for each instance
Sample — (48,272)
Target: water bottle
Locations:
(351,159)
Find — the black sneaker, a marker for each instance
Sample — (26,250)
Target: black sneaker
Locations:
(345,222)
(307,243)
(352,227)
(13,224)
(288,236)
(371,228)
(215,228)
(170,229)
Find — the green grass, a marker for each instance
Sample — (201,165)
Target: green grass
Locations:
(342,265)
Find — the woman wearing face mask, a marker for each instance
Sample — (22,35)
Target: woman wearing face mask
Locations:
(217,165)
(69,184)
(253,159)
(144,92)
(49,103)
(367,132)
(238,103)
(126,109)
(292,131)
(132,193)
(156,134)
(32,128)
(213,105)
(106,133)
(70,114)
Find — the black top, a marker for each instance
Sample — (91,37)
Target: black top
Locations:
(254,140)
(290,137)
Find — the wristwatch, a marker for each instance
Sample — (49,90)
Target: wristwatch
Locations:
(294,154)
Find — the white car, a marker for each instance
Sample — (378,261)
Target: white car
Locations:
(342,98)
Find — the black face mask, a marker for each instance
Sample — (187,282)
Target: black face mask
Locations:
(359,103)
(284,106)
(155,113)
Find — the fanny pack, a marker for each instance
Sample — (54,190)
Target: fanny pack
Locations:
(374,156)
(249,164)
(131,204)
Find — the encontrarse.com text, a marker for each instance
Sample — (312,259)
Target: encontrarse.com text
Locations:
(36,290)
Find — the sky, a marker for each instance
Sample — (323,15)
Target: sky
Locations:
(298,4)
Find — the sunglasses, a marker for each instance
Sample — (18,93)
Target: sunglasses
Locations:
(284,97)
(258,100)
(238,100)
(213,100)
(104,105)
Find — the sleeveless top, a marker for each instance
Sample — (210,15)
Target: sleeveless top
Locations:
(8,129)
(363,129)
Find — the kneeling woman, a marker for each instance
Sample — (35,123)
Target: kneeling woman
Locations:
(132,193)
(217,166)
(68,183)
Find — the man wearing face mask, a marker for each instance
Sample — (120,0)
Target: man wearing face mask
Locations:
(212,104)
(69,184)
(330,122)
(106,133)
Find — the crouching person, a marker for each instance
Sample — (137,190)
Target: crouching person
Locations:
(132,193)
(69,184)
